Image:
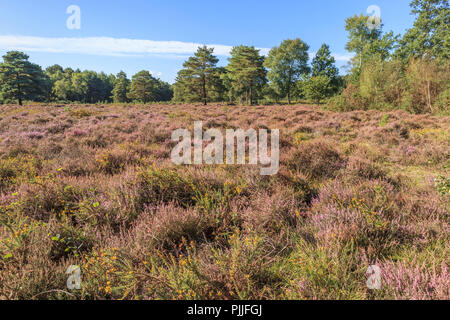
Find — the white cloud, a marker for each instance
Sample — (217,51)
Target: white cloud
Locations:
(106,46)
(121,47)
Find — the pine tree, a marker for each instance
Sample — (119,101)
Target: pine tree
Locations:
(287,64)
(143,87)
(121,88)
(198,79)
(21,79)
(246,72)
(323,64)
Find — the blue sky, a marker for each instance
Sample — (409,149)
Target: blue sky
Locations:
(169,30)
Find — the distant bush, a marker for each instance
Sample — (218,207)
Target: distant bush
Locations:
(80,113)
(350,99)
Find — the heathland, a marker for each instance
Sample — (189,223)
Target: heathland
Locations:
(94,186)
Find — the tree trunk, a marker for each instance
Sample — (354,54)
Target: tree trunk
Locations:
(19,94)
(204,92)
(289,95)
(430,106)
(19,91)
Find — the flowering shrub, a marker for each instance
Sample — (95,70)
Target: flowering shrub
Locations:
(94,187)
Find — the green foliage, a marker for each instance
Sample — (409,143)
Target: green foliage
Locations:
(384,120)
(86,86)
(382,83)
(287,64)
(121,88)
(419,87)
(317,88)
(271,94)
(426,80)
(443,102)
(164,185)
(366,42)
(442,185)
(323,64)
(164,92)
(69,241)
(199,80)
(145,88)
(319,267)
(80,113)
(22,80)
(92,87)
(430,34)
(414,78)
(246,73)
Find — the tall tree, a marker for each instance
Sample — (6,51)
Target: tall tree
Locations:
(121,88)
(199,76)
(107,85)
(287,64)
(55,73)
(246,71)
(430,34)
(227,86)
(21,79)
(95,87)
(62,87)
(79,87)
(366,42)
(143,87)
(323,64)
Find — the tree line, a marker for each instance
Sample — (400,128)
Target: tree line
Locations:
(387,71)
(22,80)
(250,77)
